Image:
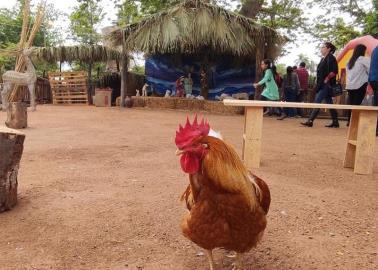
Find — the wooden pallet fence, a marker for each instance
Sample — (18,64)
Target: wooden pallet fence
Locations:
(69,87)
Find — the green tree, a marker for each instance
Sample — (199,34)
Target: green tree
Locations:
(283,15)
(127,12)
(338,32)
(371,20)
(84,20)
(362,20)
(10,31)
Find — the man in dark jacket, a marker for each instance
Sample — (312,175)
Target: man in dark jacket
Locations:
(303,81)
(373,76)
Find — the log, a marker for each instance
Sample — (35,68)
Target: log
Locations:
(17,115)
(11,147)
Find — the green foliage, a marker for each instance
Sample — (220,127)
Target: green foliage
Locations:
(371,20)
(332,27)
(127,13)
(281,69)
(338,32)
(10,31)
(84,19)
(310,64)
(138,70)
(284,15)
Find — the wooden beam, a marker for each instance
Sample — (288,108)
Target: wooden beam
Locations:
(253,133)
(280,104)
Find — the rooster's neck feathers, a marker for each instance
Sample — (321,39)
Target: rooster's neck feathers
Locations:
(223,167)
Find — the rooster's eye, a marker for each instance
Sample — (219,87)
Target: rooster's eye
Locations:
(204,145)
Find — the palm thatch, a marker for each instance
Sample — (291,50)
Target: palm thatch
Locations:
(75,53)
(194,26)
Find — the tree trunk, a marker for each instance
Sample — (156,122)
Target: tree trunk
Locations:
(11,147)
(260,53)
(17,115)
(124,68)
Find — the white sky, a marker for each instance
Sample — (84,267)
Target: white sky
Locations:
(308,48)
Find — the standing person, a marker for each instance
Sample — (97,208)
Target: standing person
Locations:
(357,71)
(188,85)
(290,87)
(180,87)
(278,79)
(303,76)
(270,92)
(325,78)
(373,77)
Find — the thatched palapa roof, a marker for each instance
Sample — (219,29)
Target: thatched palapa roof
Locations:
(193,26)
(82,53)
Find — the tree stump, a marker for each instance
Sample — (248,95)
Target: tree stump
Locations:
(17,115)
(11,147)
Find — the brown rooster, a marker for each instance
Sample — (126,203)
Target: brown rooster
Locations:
(227,204)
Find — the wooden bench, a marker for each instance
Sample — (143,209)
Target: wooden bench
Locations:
(360,140)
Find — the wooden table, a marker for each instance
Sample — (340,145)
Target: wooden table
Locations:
(361,137)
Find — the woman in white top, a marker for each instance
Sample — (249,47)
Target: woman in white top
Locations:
(357,72)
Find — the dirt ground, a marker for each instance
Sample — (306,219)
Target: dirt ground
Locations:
(99,189)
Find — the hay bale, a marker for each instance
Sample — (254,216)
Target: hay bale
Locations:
(196,105)
(139,101)
(219,107)
(161,103)
(183,103)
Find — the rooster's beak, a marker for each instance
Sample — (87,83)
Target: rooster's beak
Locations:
(179,152)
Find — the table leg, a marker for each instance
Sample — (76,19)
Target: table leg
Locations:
(365,145)
(351,140)
(252,137)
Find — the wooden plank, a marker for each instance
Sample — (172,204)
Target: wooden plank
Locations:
(253,134)
(350,152)
(68,81)
(254,103)
(70,97)
(365,143)
(67,74)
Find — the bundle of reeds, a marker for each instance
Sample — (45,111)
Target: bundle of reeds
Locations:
(26,39)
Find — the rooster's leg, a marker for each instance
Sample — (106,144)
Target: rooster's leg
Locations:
(238,262)
(210,256)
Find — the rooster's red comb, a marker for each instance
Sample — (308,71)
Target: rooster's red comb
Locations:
(186,135)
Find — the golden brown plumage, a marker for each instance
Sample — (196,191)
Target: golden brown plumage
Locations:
(227,204)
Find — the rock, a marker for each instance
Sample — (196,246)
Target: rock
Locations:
(11,148)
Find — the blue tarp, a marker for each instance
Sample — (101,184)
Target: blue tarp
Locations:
(224,76)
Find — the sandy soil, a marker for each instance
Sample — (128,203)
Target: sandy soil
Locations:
(99,189)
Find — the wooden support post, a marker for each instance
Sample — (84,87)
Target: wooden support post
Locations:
(252,136)
(124,68)
(351,139)
(365,145)
(11,147)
